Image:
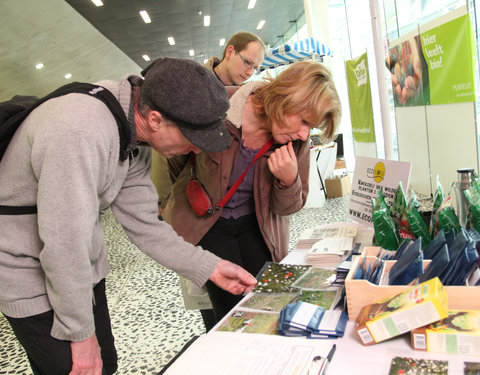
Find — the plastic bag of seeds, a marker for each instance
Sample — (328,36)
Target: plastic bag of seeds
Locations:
(416,224)
(446,218)
(398,205)
(473,197)
(438,199)
(386,234)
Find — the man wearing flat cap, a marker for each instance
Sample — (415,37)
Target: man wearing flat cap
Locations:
(64,159)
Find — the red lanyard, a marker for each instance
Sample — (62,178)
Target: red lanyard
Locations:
(237,183)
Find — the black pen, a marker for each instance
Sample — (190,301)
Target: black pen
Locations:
(319,364)
(327,361)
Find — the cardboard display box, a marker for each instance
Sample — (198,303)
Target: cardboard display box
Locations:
(362,292)
(459,333)
(338,186)
(419,305)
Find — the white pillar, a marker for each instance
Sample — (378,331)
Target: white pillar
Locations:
(316,17)
(382,88)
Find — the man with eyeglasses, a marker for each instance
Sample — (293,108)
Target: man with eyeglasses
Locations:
(242,56)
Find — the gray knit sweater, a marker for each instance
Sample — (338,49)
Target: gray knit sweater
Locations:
(64,158)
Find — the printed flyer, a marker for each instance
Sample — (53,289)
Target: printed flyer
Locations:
(369,176)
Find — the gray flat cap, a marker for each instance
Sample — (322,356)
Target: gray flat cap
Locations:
(191,96)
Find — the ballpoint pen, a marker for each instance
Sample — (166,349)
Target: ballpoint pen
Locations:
(316,366)
(327,361)
(320,364)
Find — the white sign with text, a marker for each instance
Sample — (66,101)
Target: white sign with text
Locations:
(369,176)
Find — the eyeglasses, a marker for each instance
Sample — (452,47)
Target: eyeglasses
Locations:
(249,64)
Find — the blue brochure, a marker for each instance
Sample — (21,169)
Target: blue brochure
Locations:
(300,316)
(332,324)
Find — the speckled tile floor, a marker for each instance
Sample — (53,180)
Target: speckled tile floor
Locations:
(149,320)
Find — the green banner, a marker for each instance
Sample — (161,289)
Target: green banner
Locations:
(449,55)
(360,99)
(435,67)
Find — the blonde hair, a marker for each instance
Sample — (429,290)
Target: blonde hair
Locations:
(304,87)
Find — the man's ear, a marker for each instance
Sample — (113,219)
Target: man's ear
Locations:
(155,120)
(229,52)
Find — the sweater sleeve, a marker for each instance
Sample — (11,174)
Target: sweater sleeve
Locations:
(135,209)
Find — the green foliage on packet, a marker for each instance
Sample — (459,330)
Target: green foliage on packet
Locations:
(385,232)
(399,205)
(416,224)
(437,202)
(473,197)
(446,218)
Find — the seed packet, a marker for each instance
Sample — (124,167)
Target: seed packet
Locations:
(468,265)
(437,202)
(413,271)
(475,236)
(462,265)
(449,238)
(409,256)
(435,245)
(403,246)
(385,232)
(437,266)
(460,243)
(416,223)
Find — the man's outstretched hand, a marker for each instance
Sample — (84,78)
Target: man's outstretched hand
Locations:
(232,278)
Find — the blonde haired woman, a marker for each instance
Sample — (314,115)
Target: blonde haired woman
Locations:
(253,226)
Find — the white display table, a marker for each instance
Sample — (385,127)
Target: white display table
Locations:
(223,353)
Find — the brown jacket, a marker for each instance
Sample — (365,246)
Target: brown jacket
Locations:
(273,204)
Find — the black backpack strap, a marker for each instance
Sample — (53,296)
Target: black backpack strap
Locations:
(18,210)
(21,106)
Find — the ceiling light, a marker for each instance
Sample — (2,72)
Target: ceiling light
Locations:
(145,16)
(171,41)
(199,12)
(69,75)
(222,42)
(251,4)
(191,52)
(205,61)
(260,24)
(146,57)
(98,3)
(206,21)
(39,66)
